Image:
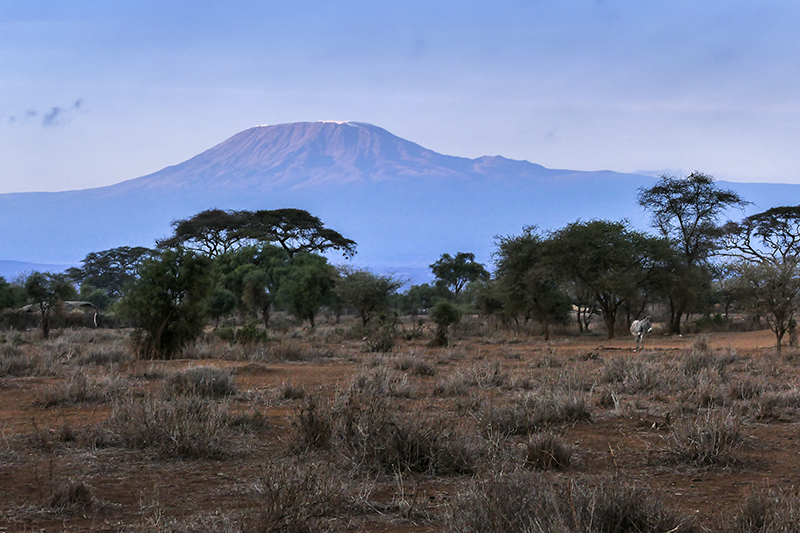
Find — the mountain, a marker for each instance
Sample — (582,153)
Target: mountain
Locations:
(403,204)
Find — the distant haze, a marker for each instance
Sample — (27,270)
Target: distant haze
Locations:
(402,203)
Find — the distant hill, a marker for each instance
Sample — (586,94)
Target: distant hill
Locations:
(403,204)
(11,269)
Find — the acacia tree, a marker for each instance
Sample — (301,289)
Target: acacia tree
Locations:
(252,274)
(768,248)
(306,284)
(456,272)
(296,231)
(686,212)
(167,303)
(608,259)
(110,270)
(47,291)
(211,232)
(365,291)
(527,282)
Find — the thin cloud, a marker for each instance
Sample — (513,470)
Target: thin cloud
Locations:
(51,118)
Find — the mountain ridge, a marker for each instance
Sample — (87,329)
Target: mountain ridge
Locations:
(402,203)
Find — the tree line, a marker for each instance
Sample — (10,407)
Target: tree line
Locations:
(220,262)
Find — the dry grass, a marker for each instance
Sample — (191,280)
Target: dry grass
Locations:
(306,432)
(524,501)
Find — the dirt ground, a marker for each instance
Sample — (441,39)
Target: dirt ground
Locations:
(138,490)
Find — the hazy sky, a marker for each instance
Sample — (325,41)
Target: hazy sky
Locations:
(97,92)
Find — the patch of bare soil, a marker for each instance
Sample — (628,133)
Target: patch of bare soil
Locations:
(699,422)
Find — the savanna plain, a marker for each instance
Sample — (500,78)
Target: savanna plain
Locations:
(316,430)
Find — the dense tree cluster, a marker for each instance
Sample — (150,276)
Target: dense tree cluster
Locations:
(246,264)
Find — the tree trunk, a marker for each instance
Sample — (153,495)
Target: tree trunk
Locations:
(675,326)
(45,325)
(265,315)
(610,319)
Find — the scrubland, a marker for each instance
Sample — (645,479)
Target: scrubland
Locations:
(311,430)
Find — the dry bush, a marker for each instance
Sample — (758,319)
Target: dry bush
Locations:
(775,405)
(80,388)
(485,375)
(769,511)
(534,411)
(188,427)
(295,497)
(747,388)
(457,384)
(368,432)
(14,362)
(312,427)
(635,375)
(205,381)
(706,439)
(383,382)
(289,391)
(28,360)
(106,355)
(703,390)
(527,501)
(546,451)
(414,366)
(71,497)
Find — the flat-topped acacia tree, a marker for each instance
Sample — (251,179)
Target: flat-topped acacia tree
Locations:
(214,232)
(767,247)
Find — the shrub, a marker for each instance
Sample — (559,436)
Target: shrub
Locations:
(312,427)
(545,451)
(527,501)
(71,497)
(206,381)
(443,314)
(709,439)
(290,391)
(383,382)
(294,497)
(368,432)
(769,511)
(535,411)
(188,427)
(167,302)
(81,389)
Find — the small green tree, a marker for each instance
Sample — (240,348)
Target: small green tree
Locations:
(11,295)
(251,273)
(305,285)
(527,280)
(456,272)
(223,303)
(444,314)
(365,292)
(167,303)
(47,291)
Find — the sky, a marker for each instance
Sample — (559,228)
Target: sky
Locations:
(94,92)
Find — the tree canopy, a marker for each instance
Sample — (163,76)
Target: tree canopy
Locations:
(686,211)
(167,303)
(215,231)
(608,258)
(456,272)
(110,270)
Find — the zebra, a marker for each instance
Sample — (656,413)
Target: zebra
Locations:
(638,329)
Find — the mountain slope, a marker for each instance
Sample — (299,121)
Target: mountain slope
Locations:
(403,204)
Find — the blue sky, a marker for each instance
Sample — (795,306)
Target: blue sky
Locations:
(97,92)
